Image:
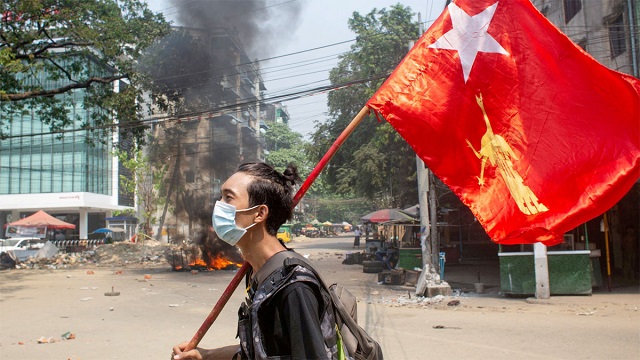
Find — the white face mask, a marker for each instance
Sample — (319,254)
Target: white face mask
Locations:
(224,222)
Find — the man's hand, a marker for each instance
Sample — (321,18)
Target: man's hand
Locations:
(224,353)
(179,354)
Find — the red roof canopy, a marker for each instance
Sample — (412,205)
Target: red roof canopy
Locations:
(41,218)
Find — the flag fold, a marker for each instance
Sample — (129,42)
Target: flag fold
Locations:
(533,134)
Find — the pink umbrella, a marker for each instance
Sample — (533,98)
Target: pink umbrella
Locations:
(387,215)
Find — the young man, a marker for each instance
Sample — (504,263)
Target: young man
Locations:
(255,202)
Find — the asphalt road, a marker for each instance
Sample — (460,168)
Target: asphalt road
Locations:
(151,315)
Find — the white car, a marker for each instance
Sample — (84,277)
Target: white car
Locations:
(21,248)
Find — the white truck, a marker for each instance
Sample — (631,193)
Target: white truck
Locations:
(21,249)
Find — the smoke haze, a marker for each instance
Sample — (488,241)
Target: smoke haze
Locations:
(260,24)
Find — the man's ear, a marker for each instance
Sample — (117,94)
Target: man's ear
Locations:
(263,213)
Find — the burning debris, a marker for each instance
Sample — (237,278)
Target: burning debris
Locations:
(208,253)
(182,260)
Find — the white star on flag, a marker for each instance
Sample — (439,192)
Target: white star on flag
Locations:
(469,36)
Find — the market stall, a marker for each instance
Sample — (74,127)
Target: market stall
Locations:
(574,268)
(395,238)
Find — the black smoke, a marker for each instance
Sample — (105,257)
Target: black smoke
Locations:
(260,25)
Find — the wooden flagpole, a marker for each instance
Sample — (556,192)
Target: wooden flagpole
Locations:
(213,315)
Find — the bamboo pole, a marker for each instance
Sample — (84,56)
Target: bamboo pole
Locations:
(213,315)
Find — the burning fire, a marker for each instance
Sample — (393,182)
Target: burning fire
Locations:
(218,262)
(198,258)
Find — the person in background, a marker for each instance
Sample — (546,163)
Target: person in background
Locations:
(356,241)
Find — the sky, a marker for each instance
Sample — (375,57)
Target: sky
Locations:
(305,50)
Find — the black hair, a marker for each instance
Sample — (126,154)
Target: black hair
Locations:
(273,189)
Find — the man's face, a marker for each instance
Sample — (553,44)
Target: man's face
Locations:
(234,192)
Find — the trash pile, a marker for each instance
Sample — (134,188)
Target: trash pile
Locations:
(151,253)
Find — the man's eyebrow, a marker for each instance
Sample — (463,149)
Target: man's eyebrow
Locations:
(228,191)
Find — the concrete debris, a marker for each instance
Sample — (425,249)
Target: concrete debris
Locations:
(44,340)
(117,254)
(48,340)
(411,300)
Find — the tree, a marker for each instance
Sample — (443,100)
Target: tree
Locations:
(375,162)
(145,182)
(286,147)
(49,49)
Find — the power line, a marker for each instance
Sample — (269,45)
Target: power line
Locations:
(218,109)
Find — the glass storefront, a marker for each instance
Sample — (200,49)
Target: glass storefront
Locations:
(32,161)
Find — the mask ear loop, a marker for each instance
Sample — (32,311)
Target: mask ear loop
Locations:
(249,209)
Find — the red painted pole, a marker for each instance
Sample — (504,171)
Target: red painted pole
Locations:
(213,315)
(332,150)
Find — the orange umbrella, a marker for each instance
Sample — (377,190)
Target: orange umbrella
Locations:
(41,218)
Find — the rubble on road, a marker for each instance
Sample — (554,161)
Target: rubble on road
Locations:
(151,253)
(417,301)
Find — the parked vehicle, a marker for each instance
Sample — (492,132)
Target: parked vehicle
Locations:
(21,248)
(284,233)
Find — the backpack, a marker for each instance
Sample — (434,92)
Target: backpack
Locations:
(353,338)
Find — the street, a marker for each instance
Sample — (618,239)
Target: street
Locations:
(157,308)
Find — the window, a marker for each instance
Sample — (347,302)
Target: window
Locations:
(571,8)
(617,38)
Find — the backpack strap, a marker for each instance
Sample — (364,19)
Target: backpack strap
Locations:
(275,263)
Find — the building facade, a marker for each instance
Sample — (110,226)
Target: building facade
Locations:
(606,29)
(72,176)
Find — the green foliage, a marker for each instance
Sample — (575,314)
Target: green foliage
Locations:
(338,209)
(279,136)
(145,180)
(125,212)
(49,49)
(288,147)
(375,162)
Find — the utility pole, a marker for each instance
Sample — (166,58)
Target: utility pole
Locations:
(423,187)
(433,216)
(422,174)
(429,282)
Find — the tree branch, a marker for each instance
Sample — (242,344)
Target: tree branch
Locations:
(47,47)
(61,69)
(60,90)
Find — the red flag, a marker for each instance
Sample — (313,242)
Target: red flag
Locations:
(533,134)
